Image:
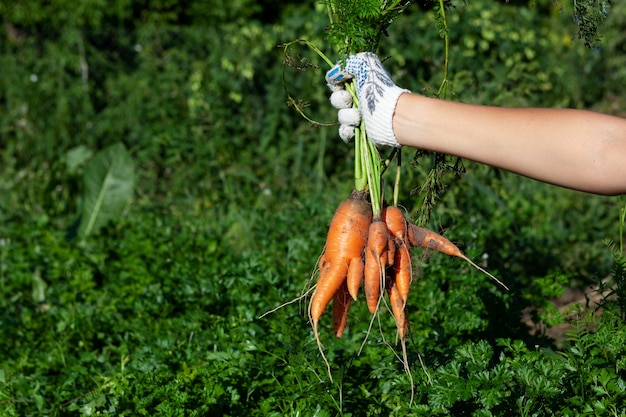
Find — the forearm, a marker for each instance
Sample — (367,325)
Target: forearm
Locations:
(570,148)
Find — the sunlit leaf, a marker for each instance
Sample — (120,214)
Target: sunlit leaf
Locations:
(109,180)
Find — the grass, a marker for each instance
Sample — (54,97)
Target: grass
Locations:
(159,315)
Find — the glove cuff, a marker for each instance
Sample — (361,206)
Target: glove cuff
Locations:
(380,127)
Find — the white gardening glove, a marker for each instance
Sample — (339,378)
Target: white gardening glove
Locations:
(377,95)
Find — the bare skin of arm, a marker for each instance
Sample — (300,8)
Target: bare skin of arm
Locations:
(576,149)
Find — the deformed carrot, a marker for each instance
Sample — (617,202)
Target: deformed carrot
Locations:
(341,306)
(375,261)
(424,238)
(346,240)
(347,236)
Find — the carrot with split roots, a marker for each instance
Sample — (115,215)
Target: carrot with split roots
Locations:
(424,238)
(347,236)
(375,262)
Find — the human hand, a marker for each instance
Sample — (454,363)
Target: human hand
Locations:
(377,96)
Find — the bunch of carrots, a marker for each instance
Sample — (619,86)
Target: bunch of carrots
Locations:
(374,253)
(368,245)
(369,242)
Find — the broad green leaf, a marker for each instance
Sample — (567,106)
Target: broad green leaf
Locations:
(109,180)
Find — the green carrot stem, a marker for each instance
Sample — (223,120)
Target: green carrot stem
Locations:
(360,174)
(366,156)
(360,166)
(292,101)
(373,166)
(396,185)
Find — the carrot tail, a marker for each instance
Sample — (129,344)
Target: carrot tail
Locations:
(427,239)
(324,291)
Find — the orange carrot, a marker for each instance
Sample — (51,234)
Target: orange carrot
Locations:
(375,261)
(403,271)
(347,236)
(341,305)
(346,239)
(395,221)
(397,227)
(371,280)
(427,239)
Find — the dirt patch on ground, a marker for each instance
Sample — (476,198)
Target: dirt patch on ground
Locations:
(572,305)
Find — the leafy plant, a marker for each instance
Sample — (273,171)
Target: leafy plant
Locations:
(614,289)
(108,180)
(358,26)
(589,16)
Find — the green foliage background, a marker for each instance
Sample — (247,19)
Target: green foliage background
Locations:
(158,313)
